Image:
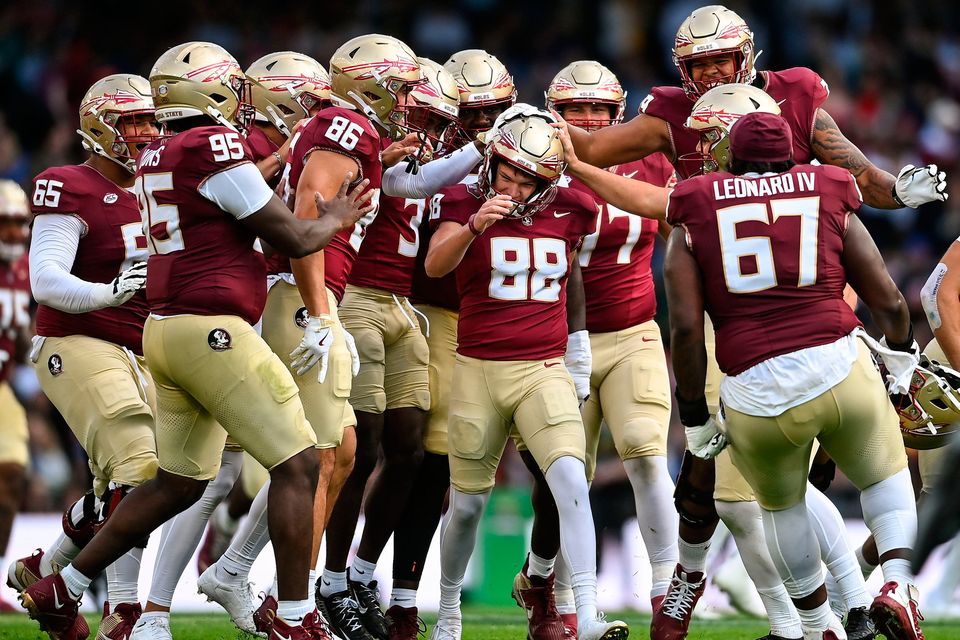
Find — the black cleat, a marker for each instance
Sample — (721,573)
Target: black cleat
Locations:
(374,621)
(859,626)
(343,614)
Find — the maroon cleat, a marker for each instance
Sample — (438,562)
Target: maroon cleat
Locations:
(119,624)
(672,620)
(570,625)
(25,571)
(48,601)
(312,628)
(265,613)
(655,603)
(535,595)
(895,612)
(404,624)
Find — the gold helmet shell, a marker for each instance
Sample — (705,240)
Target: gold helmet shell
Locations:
(710,31)
(102,111)
(531,144)
(201,79)
(368,73)
(716,111)
(930,411)
(14,209)
(286,87)
(435,103)
(481,78)
(585,82)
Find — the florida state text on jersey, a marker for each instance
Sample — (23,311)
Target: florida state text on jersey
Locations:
(769,250)
(113,241)
(512,279)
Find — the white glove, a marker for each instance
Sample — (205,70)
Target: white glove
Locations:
(918,185)
(129,282)
(579,362)
(706,441)
(314,347)
(354,356)
(900,366)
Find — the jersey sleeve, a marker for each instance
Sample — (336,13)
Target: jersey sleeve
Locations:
(587,217)
(210,150)
(661,101)
(58,190)
(452,207)
(677,203)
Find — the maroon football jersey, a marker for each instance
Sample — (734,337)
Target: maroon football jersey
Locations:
(799,91)
(113,241)
(437,292)
(261,147)
(202,260)
(615,259)
(513,277)
(389,250)
(14,311)
(349,133)
(769,251)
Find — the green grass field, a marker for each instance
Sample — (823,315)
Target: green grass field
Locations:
(480,624)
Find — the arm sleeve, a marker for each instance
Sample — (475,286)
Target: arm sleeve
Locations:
(52,252)
(239,190)
(400,182)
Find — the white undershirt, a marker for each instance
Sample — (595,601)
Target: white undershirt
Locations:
(240,190)
(432,176)
(782,382)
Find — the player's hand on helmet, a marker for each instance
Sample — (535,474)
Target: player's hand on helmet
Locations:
(569,153)
(408,145)
(579,362)
(128,282)
(314,347)
(707,440)
(900,365)
(918,185)
(354,356)
(490,211)
(349,205)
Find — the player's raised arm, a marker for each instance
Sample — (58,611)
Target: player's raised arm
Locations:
(941,302)
(636,138)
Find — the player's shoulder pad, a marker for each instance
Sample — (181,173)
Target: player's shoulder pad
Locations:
(62,189)
(663,99)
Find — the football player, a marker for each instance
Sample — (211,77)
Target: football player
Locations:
(486,90)
(628,384)
(285,88)
(715,46)
(203,204)
(87,266)
(781,318)
(14,344)
(511,237)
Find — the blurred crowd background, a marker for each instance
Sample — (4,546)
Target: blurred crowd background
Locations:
(893,67)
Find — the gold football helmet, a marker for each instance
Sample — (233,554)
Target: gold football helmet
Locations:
(483,83)
(14,221)
(287,87)
(369,73)
(930,412)
(713,115)
(109,123)
(434,105)
(532,145)
(201,79)
(710,31)
(587,81)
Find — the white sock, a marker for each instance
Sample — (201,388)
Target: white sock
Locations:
(540,567)
(458,537)
(567,480)
(653,491)
(76,582)
(784,621)
(890,513)
(332,582)
(294,611)
(693,555)
(182,534)
(221,517)
(311,585)
(362,571)
(406,598)
(834,550)
(562,591)
(60,554)
(866,567)
(122,578)
(252,536)
(819,619)
(150,615)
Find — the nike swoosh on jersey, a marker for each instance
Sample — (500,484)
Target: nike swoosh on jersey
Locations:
(557,214)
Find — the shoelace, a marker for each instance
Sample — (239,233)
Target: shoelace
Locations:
(407,624)
(347,607)
(679,599)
